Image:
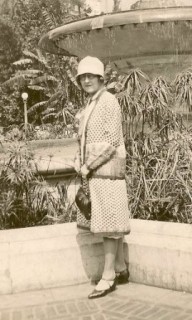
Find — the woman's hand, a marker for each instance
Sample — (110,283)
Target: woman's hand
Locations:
(77,166)
(84,171)
(77,162)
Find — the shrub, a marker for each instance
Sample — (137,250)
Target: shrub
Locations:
(158,144)
(25,198)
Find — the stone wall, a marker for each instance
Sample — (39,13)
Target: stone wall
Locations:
(158,254)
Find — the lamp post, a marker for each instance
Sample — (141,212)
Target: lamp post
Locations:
(25,97)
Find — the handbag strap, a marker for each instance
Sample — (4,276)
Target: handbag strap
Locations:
(83,138)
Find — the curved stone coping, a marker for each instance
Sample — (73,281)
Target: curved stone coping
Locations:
(54,157)
(170,229)
(47,42)
(43,144)
(123,18)
(158,253)
(51,157)
(48,143)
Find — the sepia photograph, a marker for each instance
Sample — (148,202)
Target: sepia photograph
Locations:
(95,159)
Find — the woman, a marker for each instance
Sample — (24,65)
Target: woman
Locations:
(101,162)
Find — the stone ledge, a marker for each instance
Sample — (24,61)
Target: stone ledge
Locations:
(52,157)
(158,254)
(44,144)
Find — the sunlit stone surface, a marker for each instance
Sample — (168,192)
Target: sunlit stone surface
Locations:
(146,4)
(107,6)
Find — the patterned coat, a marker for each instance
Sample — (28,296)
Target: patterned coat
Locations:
(103,152)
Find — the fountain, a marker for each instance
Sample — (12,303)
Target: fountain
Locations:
(157,40)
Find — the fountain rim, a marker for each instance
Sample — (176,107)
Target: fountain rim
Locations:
(111,20)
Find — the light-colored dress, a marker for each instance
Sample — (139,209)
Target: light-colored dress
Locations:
(102,150)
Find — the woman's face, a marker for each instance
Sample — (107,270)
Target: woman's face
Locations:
(90,83)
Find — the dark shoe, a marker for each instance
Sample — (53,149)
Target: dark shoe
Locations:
(101,293)
(122,277)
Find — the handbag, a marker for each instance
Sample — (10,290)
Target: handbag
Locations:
(83,202)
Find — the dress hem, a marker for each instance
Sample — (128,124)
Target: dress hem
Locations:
(105,233)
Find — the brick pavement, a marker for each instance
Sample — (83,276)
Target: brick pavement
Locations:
(131,301)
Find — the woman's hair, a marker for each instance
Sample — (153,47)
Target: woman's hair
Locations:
(100,78)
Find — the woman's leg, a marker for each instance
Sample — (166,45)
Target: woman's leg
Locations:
(110,251)
(120,264)
(107,283)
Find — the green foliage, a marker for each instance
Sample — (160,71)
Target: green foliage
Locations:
(54,95)
(10,113)
(16,175)
(49,80)
(159,146)
(44,77)
(183,89)
(25,198)
(34,18)
(10,49)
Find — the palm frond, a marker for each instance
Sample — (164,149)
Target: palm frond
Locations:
(43,79)
(29,72)
(37,88)
(133,82)
(71,76)
(19,80)
(183,88)
(56,96)
(48,116)
(36,106)
(42,59)
(68,113)
(53,103)
(22,62)
(48,19)
(39,57)
(48,110)
(30,54)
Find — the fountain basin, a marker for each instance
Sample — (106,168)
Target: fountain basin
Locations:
(158,254)
(154,40)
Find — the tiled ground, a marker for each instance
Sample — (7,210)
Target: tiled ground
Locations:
(131,301)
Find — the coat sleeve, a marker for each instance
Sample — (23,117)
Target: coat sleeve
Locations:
(102,152)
